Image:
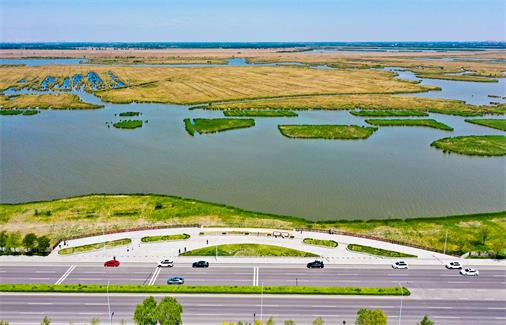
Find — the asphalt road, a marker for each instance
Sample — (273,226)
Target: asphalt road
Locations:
(425,277)
(202,309)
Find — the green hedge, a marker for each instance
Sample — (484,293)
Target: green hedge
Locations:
(94,246)
(376,251)
(148,239)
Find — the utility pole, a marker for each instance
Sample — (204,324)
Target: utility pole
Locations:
(446,239)
(262,304)
(109,304)
(402,298)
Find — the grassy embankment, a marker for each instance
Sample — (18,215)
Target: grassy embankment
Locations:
(128,114)
(320,242)
(473,145)
(365,102)
(149,239)
(155,60)
(45,101)
(94,246)
(264,113)
(18,112)
(132,288)
(376,251)
(128,124)
(248,250)
(213,125)
(445,76)
(499,124)
(345,132)
(83,216)
(431,123)
(379,113)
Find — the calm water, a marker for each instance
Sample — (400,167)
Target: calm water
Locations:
(394,173)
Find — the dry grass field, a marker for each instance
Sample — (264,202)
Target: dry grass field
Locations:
(45,101)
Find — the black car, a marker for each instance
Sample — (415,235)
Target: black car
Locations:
(200,264)
(315,265)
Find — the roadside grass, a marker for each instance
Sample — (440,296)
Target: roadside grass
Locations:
(431,123)
(499,124)
(392,112)
(128,124)
(473,145)
(132,288)
(247,250)
(88,215)
(62,101)
(259,113)
(149,239)
(345,132)
(122,114)
(320,242)
(94,246)
(376,251)
(18,111)
(213,125)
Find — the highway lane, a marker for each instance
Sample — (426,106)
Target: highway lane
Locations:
(214,309)
(266,274)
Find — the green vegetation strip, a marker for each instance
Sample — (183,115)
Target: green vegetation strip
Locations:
(94,246)
(148,239)
(376,251)
(473,145)
(129,114)
(345,132)
(392,112)
(263,113)
(408,122)
(128,124)
(18,111)
(204,125)
(320,242)
(248,250)
(499,124)
(300,290)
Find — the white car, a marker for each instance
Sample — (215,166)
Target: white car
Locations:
(400,265)
(454,265)
(166,263)
(469,272)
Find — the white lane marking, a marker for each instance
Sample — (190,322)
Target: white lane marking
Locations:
(39,303)
(449,317)
(155,275)
(66,274)
(497,308)
(254,275)
(258,275)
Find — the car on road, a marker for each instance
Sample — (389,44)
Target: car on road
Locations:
(200,264)
(315,265)
(111,263)
(166,263)
(400,265)
(469,272)
(454,265)
(175,280)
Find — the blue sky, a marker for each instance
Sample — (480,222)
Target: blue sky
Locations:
(251,20)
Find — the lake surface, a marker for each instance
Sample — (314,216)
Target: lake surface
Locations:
(393,174)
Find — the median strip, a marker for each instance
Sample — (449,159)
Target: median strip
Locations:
(299,290)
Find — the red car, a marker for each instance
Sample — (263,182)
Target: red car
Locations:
(111,263)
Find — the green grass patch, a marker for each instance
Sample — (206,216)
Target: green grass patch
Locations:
(128,124)
(262,113)
(132,288)
(473,145)
(129,114)
(320,242)
(94,246)
(149,239)
(376,251)
(213,125)
(379,113)
(408,122)
(248,250)
(18,111)
(499,124)
(345,132)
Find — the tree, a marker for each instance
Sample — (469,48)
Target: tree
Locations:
(426,321)
(271,321)
(45,321)
(95,321)
(43,243)
(168,312)
(371,317)
(145,313)
(30,240)
(14,240)
(289,322)
(318,321)
(3,240)
(4,322)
